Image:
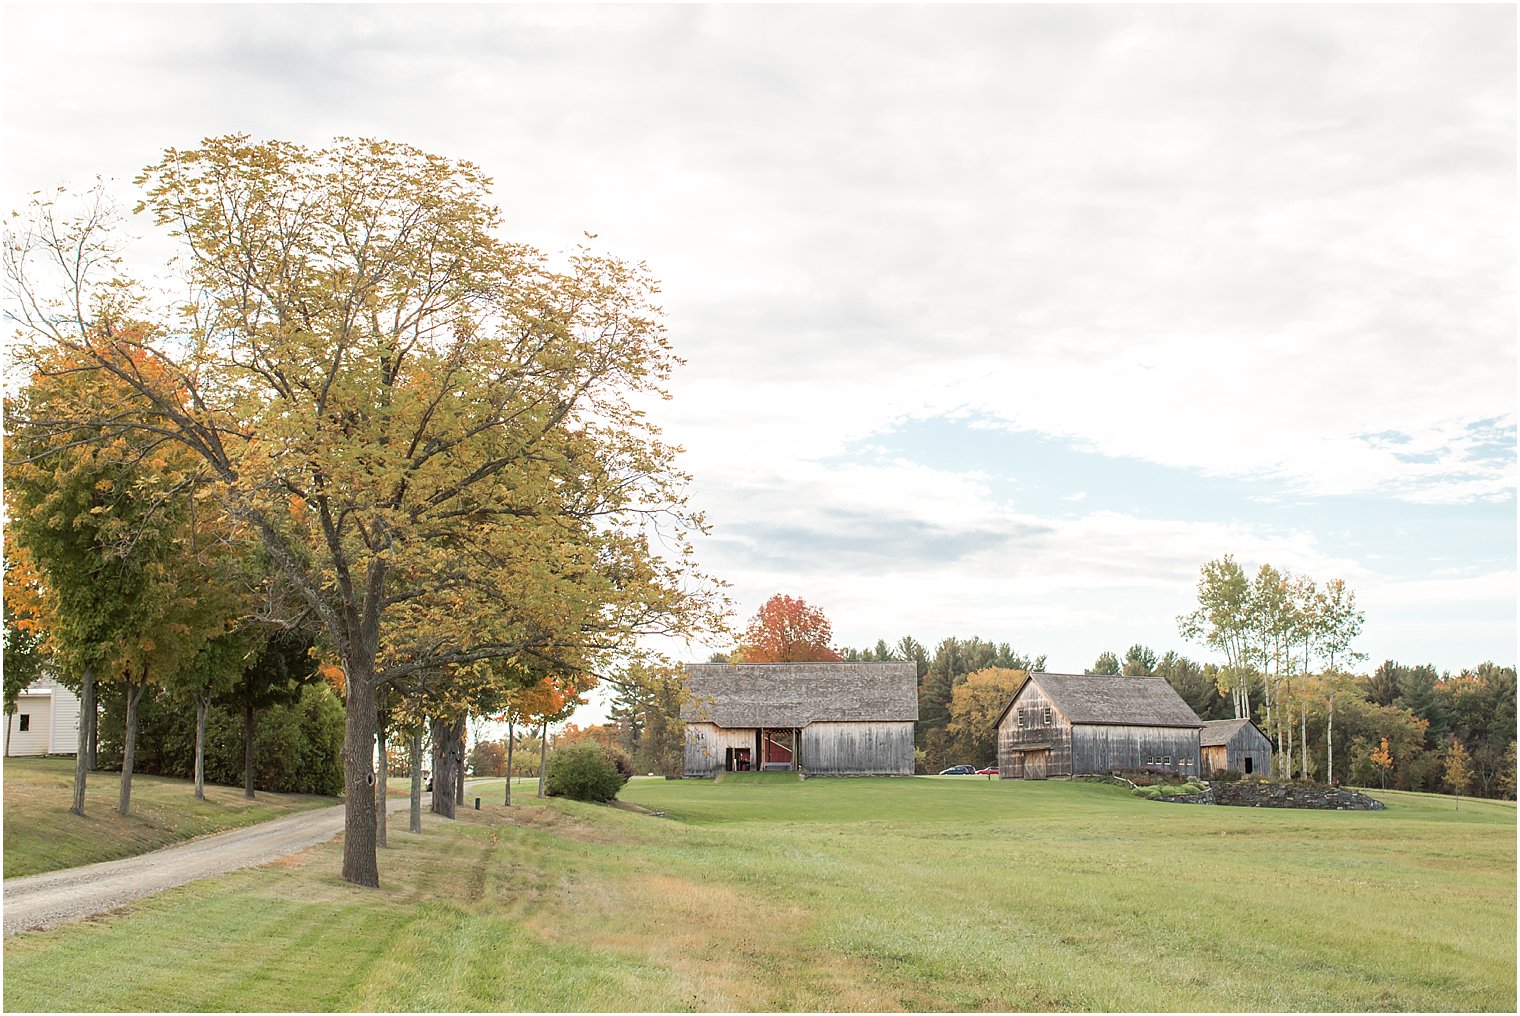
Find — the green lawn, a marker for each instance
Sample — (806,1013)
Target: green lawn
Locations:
(770,894)
(41,834)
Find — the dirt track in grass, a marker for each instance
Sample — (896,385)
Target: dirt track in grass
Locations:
(43,901)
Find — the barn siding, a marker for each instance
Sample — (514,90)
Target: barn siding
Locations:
(883,748)
(706,744)
(1096,748)
(1036,733)
(1249,742)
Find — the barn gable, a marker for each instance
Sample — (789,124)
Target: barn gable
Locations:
(1063,724)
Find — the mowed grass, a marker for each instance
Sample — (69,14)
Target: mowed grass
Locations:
(867,895)
(42,835)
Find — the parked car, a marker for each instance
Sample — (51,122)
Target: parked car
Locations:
(959,771)
(989,771)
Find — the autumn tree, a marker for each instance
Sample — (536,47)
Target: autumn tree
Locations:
(102,510)
(24,640)
(786,630)
(434,433)
(975,705)
(1458,769)
(1382,760)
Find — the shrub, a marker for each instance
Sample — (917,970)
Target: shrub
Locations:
(1226,776)
(584,771)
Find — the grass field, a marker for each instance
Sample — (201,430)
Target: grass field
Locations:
(769,894)
(41,835)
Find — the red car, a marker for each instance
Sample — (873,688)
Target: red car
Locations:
(989,771)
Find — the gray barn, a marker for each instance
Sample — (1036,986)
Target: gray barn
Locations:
(1064,724)
(817,719)
(1235,744)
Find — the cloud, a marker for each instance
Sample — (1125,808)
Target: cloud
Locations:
(1273,242)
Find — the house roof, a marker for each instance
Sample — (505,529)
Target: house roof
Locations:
(1116,701)
(1217,732)
(796,694)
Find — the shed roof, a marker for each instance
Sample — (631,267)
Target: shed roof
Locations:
(1112,700)
(796,694)
(1217,732)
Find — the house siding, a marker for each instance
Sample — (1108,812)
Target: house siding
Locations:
(54,712)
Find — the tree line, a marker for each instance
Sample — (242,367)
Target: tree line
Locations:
(364,418)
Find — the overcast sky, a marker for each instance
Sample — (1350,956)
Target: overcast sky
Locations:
(999,321)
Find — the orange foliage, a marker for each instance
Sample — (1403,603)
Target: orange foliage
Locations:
(787,630)
(334,676)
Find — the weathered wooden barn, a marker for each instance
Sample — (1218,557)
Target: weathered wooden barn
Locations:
(1065,724)
(1234,744)
(817,719)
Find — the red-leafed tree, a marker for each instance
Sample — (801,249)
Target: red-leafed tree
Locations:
(787,630)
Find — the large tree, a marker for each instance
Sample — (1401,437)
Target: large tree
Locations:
(437,435)
(786,630)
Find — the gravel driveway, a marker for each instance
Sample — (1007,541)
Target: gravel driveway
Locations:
(42,901)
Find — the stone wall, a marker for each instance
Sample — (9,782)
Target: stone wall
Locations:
(1249,794)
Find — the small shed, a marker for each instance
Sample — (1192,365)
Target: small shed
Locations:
(1238,744)
(46,720)
(1065,724)
(816,719)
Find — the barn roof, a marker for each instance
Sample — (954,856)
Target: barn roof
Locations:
(1108,699)
(1217,732)
(796,694)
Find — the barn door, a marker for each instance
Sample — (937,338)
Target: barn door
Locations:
(1036,763)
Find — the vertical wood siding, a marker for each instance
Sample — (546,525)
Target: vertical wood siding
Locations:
(1096,748)
(707,744)
(882,748)
(1249,742)
(1035,734)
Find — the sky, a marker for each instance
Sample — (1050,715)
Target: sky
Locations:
(997,320)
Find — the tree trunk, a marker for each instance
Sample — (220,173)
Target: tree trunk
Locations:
(510,739)
(443,768)
(1330,742)
(94,711)
(416,825)
(202,707)
(1267,717)
(82,757)
(380,787)
(459,764)
(543,756)
(129,747)
(1303,732)
(248,730)
(361,866)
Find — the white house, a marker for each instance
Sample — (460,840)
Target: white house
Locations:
(46,721)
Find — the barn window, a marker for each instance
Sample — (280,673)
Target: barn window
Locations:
(1168,760)
(26,722)
(1047,716)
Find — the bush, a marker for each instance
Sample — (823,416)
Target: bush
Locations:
(1226,776)
(585,771)
(297,749)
